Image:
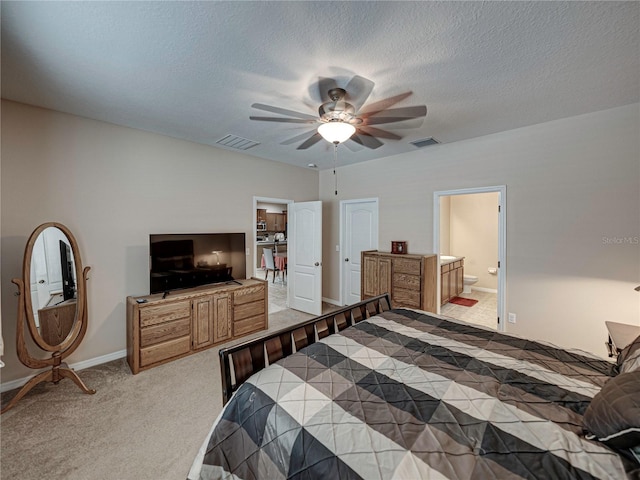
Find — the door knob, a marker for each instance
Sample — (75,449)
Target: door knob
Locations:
(317,264)
(346,259)
(42,281)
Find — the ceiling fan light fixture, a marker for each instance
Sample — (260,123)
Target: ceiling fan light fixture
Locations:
(336,131)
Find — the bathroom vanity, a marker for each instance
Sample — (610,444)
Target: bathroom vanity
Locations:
(451,277)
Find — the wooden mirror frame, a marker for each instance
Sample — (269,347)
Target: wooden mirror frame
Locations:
(59,369)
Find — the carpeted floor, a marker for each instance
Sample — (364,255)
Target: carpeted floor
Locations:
(145,426)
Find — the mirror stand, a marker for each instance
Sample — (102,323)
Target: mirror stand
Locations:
(64,348)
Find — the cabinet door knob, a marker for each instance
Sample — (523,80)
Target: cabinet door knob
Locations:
(42,281)
(317,264)
(346,259)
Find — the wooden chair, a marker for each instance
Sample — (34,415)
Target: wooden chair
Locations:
(269,264)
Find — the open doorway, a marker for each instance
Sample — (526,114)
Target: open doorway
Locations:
(271,238)
(469,235)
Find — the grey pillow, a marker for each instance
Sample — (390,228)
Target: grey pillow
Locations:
(629,358)
(613,417)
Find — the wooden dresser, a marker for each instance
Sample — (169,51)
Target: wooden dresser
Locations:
(187,321)
(411,280)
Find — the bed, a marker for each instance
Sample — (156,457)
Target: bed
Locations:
(370,392)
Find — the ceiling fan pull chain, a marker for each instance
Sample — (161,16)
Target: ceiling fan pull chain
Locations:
(335,161)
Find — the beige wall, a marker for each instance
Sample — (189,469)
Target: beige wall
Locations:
(573,190)
(474,235)
(445,225)
(573,194)
(113,186)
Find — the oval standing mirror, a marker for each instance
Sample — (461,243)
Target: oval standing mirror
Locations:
(52,296)
(51,277)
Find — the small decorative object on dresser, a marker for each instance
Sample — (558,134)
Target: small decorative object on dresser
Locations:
(398,247)
(162,328)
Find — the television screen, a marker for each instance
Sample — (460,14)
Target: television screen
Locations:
(190,260)
(66,265)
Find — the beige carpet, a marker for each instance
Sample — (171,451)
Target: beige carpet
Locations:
(145,426)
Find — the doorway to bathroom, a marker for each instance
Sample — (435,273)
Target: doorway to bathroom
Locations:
(470,234)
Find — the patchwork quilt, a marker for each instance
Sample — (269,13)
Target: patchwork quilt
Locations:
(406,395)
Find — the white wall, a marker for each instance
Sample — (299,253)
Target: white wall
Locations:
(474,235)
(113,186)
(573,189)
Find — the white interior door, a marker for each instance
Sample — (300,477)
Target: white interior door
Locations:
(359,232)
(305,257)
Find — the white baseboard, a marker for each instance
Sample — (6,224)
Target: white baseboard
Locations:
(483,289)
(92,362)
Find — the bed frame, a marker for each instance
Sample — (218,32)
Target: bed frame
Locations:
(252,356)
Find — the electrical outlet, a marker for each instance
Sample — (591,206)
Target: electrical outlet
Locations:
(512,318)
(248,252)
(337,248)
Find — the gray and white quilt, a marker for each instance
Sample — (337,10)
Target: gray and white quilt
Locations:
(406,395)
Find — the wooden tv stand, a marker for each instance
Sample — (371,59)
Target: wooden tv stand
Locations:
(160,330)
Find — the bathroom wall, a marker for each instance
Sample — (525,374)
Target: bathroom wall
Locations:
(473,230)
(445,238)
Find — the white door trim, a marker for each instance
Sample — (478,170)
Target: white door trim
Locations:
(343,209)
(502,239)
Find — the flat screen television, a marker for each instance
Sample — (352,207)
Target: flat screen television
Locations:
(66,266)
(191,260)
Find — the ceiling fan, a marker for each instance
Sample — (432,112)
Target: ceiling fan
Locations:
(344,117)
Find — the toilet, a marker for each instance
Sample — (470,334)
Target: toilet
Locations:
(468,281)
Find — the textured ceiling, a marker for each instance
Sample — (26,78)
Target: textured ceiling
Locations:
(192,69)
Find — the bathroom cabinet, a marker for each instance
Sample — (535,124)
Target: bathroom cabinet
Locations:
(410,280)
(451,280)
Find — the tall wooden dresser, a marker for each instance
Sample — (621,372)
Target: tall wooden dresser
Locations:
(160,330)
(411,280)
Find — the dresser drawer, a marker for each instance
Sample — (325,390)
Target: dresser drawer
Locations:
(156,314)
(248,325)
(164,351)
(240,312)
(405,298)
(406,265)
(165,331)
(402,280)
(445,268)
(249,295)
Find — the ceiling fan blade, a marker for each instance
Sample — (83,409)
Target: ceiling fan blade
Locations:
(358,90)
(383,120)
(297,138)
(324,85)
(366,141)
(279,119)
(396,115)
(377,132)
(383,104)
(402,112)
(312,140)
(353,146)
(283,111)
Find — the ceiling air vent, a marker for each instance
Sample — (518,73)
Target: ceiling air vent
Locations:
(239,143)
(425,142)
